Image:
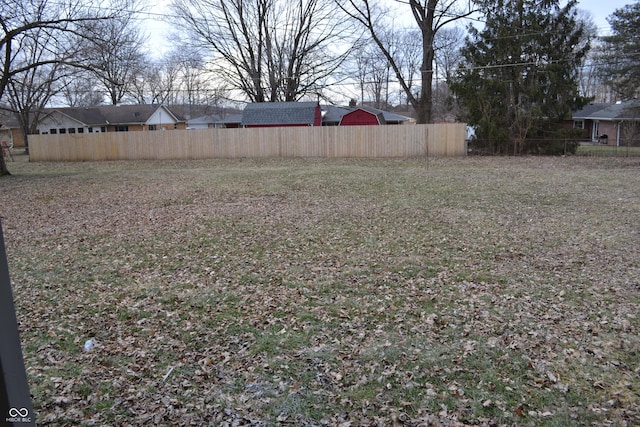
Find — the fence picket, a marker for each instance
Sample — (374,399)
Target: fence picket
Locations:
(435,140)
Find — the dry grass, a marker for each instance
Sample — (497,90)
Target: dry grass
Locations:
(314,292)
(608,151)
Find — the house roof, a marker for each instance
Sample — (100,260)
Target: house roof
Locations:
(8,119)
(279,113)
(627,110)
(333,114)
(234,118)
(231,118)
(205,120)
(113,114)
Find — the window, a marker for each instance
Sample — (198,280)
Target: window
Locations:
(62,130)
(53,131)
(72,130)
(122,128)
(103,129)
(80,130)
(578,124)
(90,130)
(153,127)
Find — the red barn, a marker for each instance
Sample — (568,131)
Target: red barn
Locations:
(354,116)
(363,116)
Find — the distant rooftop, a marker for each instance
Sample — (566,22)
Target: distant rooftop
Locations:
(278,113)
(333,114)
(627,110)
(106,114)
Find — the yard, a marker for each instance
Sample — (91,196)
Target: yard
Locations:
(502,291)
(607,151)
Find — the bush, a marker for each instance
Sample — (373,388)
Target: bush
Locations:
(551,147)
(542,147)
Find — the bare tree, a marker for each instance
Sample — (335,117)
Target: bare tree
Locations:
(77,89)
(447,45)
(155,82)
(409,58)
(269,50)
(54,21)
(591,78)
(114,49)
(430,17)
(29,94)
(592,83)
(179,78)
(372,72)
(195,81)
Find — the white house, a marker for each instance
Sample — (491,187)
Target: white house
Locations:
(109,118)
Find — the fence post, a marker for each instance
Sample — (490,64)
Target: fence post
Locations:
(15,401)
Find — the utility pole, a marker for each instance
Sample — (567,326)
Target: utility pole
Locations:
(15,401)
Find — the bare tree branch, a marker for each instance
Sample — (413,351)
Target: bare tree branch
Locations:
(430,16)
(57,21)
(269,50)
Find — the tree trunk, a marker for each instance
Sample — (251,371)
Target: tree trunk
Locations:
(425,23)
(3,164)
(26,144)
(425,103)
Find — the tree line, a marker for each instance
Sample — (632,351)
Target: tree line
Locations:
(512,68)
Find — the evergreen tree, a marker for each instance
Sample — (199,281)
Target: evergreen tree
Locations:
(621,53)
(519,80)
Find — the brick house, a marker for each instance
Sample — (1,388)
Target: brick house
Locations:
(609,123)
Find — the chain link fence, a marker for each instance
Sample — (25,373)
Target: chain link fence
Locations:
(548,147)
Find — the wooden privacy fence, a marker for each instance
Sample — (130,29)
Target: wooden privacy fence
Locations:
(436,140)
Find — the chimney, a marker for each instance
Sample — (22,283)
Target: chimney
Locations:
(353,102)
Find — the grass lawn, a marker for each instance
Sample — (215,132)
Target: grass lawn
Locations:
(302,292)
(608,151)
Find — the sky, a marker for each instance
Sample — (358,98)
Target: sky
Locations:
(601,9)
(159,30)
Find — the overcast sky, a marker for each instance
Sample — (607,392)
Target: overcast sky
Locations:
(602,9)
(599,9)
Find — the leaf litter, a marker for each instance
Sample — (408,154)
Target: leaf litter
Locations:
(328,292)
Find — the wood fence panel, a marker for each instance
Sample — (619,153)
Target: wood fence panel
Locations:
(436,140)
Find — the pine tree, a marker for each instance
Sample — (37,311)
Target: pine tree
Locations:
(519,81)
(621,53)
